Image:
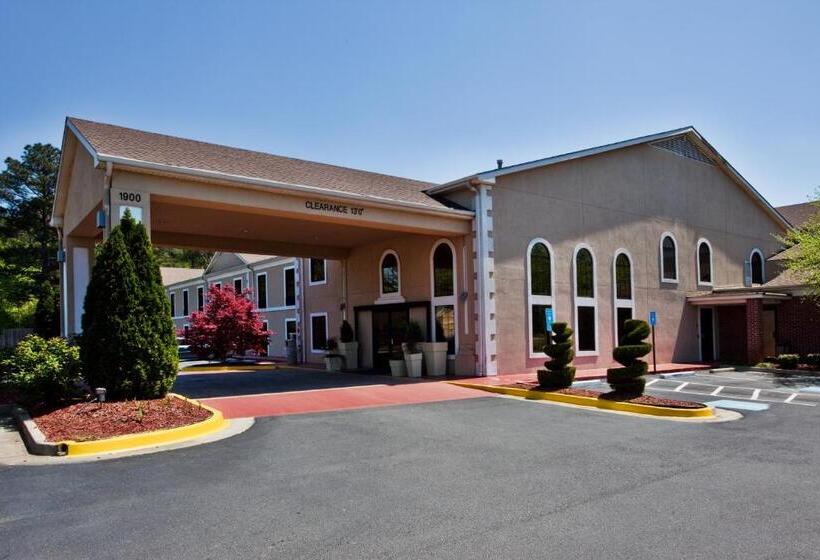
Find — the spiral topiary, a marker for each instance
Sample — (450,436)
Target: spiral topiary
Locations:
(629,379)
(559,373)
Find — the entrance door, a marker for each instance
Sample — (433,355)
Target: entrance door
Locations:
(707,334)
(388,333)
(769,342)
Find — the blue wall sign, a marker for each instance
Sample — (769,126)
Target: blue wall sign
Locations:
(653,318)
(548,314)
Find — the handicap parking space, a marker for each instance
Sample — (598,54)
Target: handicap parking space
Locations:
(741,390)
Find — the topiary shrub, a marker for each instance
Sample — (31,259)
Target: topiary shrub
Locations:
(629,379)
(346,333)
(413,337)
(788,361)
(42,370)
(813,360)
(559,373)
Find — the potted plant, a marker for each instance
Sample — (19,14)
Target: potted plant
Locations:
(333,360)
(413,355)
(435,356)
(348,347)
(397,368)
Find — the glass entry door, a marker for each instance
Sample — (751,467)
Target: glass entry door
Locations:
(389,328)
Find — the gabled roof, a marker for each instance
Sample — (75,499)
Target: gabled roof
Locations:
(173,275)
(137,148)
(689,132)
(798,214)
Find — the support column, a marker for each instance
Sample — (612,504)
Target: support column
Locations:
(754,331)
(79,255)
(487,363)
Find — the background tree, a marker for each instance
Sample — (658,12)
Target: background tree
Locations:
(182,258)
(227,325)
(27,243)
(802,258)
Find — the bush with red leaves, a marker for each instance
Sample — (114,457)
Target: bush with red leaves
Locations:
(227,325)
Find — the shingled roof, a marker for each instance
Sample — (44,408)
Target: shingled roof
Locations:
(798,214)
(173,275)
(110,141)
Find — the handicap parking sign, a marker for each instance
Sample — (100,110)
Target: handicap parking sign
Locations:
(549,318)
(653,318)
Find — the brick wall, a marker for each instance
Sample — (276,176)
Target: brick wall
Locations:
(798,326)
(754,331)
(731,320)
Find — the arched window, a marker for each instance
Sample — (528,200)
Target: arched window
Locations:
(539,293)
(624,292)
(444,295)
(756,260)
(669,258)
(390,274)
(586,302)
(704,262)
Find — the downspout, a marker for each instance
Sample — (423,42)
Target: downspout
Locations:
(301,309)
(109,219)
(62,255)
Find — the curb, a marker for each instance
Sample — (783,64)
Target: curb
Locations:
(246,367)
(590,402)
(36,442)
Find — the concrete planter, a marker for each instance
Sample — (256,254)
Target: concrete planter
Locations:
(334,362)
(350,350)
(413,364)
(397,368)
(435,358)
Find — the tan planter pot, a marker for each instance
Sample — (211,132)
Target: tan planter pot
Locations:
(397,368)
(435,358)
(413,364)
(350,350)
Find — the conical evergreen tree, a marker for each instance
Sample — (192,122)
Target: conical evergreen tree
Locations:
(159,356)
(110,337)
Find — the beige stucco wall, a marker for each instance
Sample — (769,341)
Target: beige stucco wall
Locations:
(623,199)
(86,190)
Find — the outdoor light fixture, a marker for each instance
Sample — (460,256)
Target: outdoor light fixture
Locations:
(61,256)
(100,219)
(100,394)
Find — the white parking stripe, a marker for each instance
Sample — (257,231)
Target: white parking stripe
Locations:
(791,398)
(648,383)
(755,394)
(716,391)
(681,386)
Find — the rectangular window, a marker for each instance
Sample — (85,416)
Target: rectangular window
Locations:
(200,298)
(586,328)
(185,303)
(446,326)
(624,314)
(318,272)
(261,290)
(318,332)
(185,330)
(290,329)
(237,285)
(539,328)
(266,351)
(290,287)
(218,285)
(173,305)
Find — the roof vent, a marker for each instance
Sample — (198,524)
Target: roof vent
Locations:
(499,163)
(681,146)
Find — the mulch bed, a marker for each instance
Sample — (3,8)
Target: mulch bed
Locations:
(643,399)
(92,420)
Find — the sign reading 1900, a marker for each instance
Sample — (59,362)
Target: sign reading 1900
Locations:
(335,207)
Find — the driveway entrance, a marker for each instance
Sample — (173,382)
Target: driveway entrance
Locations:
(290,390)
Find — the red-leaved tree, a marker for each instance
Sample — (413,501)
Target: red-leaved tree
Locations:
(226,325)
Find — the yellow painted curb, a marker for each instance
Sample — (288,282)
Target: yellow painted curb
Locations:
(150,439)
(248,367)
(591,402)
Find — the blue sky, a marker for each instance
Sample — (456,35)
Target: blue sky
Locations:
(429,90)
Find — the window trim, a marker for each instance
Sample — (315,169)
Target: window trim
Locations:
(392,297)
(186,308)
(437,301)
(313,349)
(256,289)
(618,303)
(538,299)
(241,287)
(585,301)
(664,279)
(200,296)
(172,296)
(762,267)
(285,287)
(265,326)
(711,282)
(310,272)
(295,331)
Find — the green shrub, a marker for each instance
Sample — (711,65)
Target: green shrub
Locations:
(788,361)
(413,337)
(629,379)
(42,370)
(813,360)
(346,332)
(47,312)
(559,373)
(128,343)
